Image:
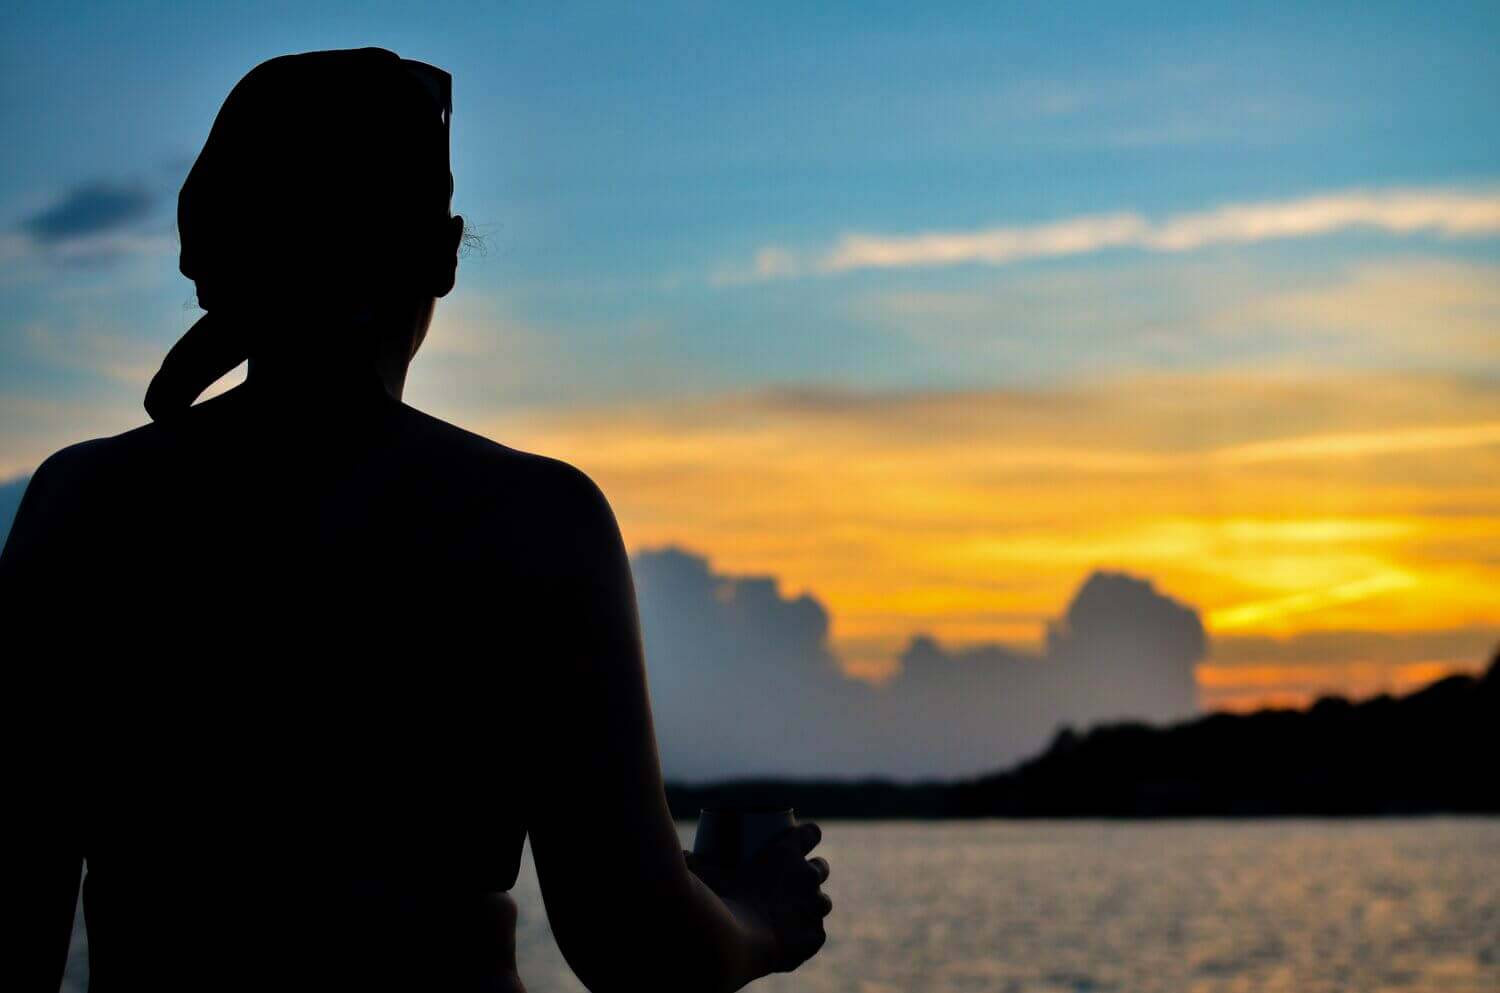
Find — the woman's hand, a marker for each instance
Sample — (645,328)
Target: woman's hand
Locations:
(779,892)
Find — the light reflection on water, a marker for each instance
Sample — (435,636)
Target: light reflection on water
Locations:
(1159,907)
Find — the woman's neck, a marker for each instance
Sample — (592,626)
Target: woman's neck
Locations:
(320,354)
(338,367)
(307,382)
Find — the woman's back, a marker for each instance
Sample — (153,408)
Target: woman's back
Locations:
(300,634)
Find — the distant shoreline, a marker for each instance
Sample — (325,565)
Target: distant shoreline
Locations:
(1434,815)
(1429,753)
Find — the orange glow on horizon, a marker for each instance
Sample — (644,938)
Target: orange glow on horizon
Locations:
(1279,506)
(1239,689)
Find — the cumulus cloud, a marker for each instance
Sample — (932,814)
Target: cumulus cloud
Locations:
(744,681)
(1122,650)
(1440,212)
(742,677)
(1151,641)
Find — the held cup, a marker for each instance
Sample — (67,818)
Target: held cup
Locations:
(731,836)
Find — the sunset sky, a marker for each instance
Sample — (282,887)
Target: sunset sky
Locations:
(927,310)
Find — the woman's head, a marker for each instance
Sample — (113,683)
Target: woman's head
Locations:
(323,195)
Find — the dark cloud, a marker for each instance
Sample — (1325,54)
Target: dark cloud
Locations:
(90,209)
(744,682)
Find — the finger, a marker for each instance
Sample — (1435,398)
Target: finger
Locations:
(794,842)
(807,836)
(802,945)
(809,941)
(821,867)
(825,904)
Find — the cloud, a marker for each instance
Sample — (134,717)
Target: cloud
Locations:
(1441,212)
(97,221)
(1414,308)
(91,209)
(769,263)
(744,680)
(1194,312)
(1122,650)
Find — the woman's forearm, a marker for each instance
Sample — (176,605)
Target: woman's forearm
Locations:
(672,934)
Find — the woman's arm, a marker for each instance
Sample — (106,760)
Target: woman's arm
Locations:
(626,911)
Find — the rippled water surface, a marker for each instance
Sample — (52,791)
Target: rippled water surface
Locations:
(1157,907)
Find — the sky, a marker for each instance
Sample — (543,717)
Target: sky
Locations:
(926,313)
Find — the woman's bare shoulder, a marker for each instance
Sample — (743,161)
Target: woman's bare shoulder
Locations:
(80,463)
(470,452)
(66,486)
(560,498)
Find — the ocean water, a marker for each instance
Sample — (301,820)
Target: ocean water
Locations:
(1302,906)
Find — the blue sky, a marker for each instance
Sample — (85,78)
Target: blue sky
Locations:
(617,159)
(684,204)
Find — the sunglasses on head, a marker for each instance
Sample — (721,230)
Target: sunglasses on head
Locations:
(436,82)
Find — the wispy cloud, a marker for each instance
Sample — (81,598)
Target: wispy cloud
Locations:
(1414,307)
(1440,212)
(1361,444)
(769,263)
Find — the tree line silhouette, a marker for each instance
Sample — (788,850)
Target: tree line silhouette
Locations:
(1430,751)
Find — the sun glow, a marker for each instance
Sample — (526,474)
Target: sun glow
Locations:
(1298,507)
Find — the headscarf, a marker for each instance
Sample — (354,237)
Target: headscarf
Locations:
(324,176)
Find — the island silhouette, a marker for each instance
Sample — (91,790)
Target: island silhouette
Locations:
(1427,752)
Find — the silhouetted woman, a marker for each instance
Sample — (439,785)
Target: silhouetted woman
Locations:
(298,668)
